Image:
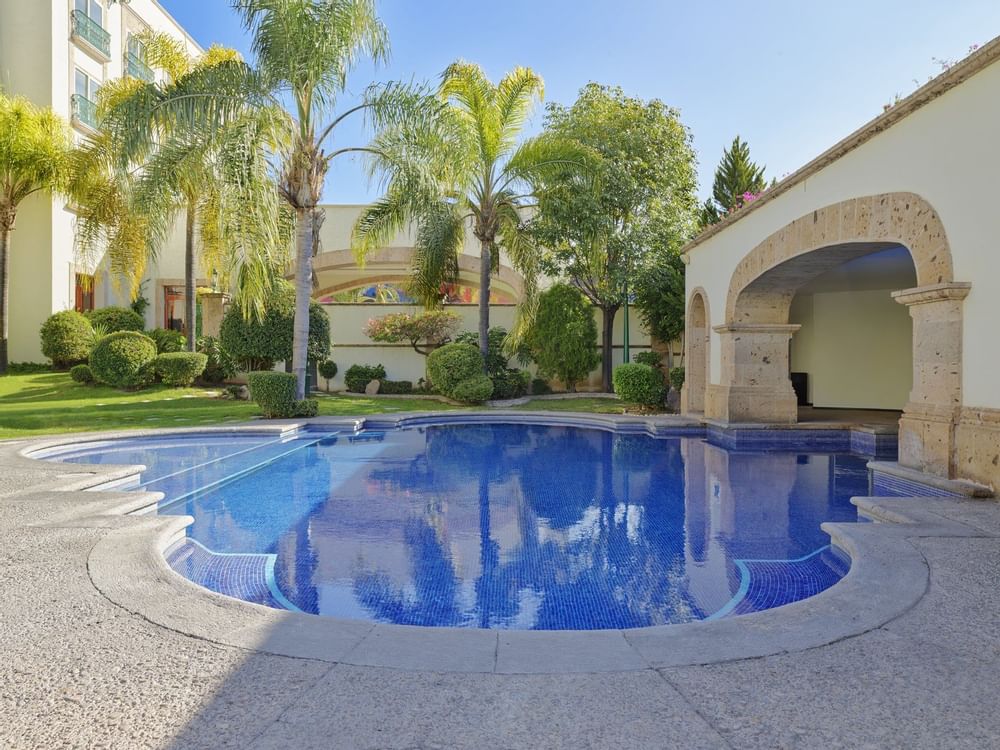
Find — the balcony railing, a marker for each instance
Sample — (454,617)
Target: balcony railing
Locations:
(137,68)
(84,111)
(86,28)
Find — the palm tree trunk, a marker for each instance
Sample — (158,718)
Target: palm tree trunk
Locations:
(190,293)
(607,345)
(303,292)
(4,292)
(485,266)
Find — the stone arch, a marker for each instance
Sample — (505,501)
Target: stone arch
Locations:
(696,352)
(755,335)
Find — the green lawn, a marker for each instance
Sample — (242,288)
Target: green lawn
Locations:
(49,402)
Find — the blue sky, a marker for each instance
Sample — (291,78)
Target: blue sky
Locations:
(792,78)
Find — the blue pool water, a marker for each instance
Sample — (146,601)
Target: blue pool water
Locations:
(498,525)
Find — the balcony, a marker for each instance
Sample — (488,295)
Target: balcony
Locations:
(84,112)
(87,30)
(136,67)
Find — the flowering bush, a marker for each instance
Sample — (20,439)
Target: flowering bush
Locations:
(433,327)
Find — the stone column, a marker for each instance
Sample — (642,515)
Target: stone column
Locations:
(754,383)
(213,305)
(927,427)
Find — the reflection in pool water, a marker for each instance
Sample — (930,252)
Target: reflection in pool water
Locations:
(500,526)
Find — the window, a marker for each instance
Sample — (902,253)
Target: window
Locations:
(84,292)
(85,99)
(135,59)
(92,9)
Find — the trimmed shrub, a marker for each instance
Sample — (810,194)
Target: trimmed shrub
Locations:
(496,360)
(647,358)
(66,338)
(220,366)
(540,387)
(124,360)
(81,374)
(473,390)
(28,368)
(115,319)
(274,393)
(510,383)
(255,345)
(677,378)
(180,368)
(638,384)
(396,387)
(328,369)
(358,376)
(307,407)
(563,339)
(453,363)
(167,340)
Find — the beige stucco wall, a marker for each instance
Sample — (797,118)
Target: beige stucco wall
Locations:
(945,152)
(351,346)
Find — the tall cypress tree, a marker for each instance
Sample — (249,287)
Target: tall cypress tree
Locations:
(736,175)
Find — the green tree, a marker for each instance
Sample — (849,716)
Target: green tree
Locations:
(35,157)
(304,51)
(641,200)
(136,178)
(466,170)
(736,179)
(660,297)
(563,338)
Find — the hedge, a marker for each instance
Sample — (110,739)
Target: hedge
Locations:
(180,368)
(66,338)
(258,344)
(274,393)
(451,364)
(540,387)
(396,387)
(510,383)
(114,319)
(473,390)
(81,374)
(638,384)
(359,376)
(124,359)
(650,358)
(167,340)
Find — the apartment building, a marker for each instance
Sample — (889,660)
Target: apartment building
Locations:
(58,53)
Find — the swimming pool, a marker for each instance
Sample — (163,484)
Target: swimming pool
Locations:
(509,526)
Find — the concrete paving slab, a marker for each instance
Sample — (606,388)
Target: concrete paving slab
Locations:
(566,651)
(352,707)
(418,648)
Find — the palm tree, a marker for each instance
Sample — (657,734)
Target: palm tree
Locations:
(304,52)
(140,174)
(467,171)
(35,156)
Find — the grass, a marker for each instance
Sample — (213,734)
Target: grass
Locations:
(49,402)
(46,403)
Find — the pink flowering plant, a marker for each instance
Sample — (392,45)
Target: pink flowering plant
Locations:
(424,331)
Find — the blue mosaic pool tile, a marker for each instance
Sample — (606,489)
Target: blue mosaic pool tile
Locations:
(773,583)
(890,485)
(242,576)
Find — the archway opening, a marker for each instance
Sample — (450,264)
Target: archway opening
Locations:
(697,357)
(854,349)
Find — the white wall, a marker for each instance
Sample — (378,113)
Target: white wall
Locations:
(351,346)
(945,152)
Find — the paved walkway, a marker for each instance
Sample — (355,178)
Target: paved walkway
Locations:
(79,671)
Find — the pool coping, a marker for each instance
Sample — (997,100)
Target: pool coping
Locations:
(888,576)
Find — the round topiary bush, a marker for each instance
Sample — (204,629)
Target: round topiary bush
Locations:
(273,392)
(66,338)
(638,384)
(473,390)
(81,374)
(255,345)
(359,376)
(167,340)
(114,319)
(124,360)
(451,364)
(180,368)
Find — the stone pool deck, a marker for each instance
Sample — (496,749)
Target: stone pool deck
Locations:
(79,670)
